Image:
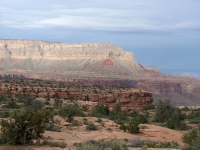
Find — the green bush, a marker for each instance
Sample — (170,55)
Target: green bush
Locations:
(100,110)
(58,103)
(23,128)
(195,120)
(185,108)
(54,143)
(174,121)
(2,98)
(85,121)
(11,104)
(91,126)
(194,114)
(149,107)
(131,126)
(192,138)
(4,114)
(102,145)
(164,111)
(33,105)
(70,110)
(75,123)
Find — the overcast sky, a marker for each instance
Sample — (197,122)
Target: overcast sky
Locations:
(162,33)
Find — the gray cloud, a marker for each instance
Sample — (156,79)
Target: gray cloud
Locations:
(162,33)
(135,18)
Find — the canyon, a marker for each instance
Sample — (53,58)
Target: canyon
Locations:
(95,64)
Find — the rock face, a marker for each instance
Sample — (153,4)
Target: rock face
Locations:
(37,57)
(129,100)
(92,63)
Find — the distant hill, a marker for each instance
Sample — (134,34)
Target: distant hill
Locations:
(93,63)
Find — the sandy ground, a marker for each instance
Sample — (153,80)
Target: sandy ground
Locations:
(80,134)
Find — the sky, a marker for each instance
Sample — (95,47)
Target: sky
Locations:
(161,33)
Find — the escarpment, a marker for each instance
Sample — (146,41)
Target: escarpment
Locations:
(38,57)
(92,63)
(129,99)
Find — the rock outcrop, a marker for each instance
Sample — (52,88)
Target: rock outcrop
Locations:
(129,99)
(92,63)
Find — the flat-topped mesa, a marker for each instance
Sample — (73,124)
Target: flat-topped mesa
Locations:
(23,49)
(37,58)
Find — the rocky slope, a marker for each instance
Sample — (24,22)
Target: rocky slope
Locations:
(129,99)
(93,63)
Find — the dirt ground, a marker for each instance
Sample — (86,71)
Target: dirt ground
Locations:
(109,131)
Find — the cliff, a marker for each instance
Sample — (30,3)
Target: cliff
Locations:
(37,57)
(93,63)
(129,99)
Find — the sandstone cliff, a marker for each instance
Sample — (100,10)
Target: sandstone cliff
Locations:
(92,63)
(129,99)
(38,57)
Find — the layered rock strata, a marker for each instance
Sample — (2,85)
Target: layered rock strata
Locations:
(130,100)
(92,63)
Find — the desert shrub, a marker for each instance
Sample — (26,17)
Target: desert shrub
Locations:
(33,105)
(23,128)
(194,114)
(102,124)
(142,119)
(50,123)
(84,108)
(99,120)
(91,126)
(131,126)
(27,100)
(2,98)
(164,111)
(174,121)
(185,108)
(85,121)
(195,120)
(58,103)
(121,117)
(151,144)
(70,110)
(149,107)
(11,104)
(5,113)
(75,123)
(102,145)
(100,110)
(47,102)
(192,138)
(54,143)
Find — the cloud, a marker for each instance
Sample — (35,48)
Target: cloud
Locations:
(137,18)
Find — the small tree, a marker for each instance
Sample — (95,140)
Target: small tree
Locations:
(163,111)
(23,128)
(132,126)
(11,104)
(100,110)
(70,111)
(58,103)
(175,120)
(192,138)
